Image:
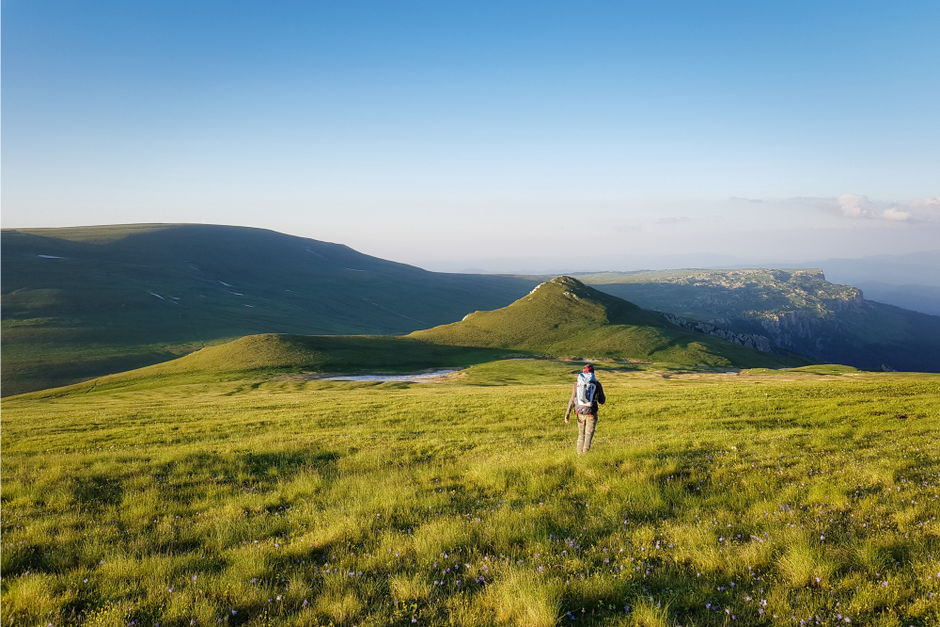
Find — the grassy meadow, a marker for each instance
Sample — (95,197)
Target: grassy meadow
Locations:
(807,496)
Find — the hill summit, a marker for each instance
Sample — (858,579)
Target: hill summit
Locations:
(565,317)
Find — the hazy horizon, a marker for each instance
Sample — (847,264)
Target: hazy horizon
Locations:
(911,269)
(504,138)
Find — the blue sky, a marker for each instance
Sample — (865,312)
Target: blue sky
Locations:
(498,136)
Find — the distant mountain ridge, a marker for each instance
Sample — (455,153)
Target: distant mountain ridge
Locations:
(793,310)
(84,301)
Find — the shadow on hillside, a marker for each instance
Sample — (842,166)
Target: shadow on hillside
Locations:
(96,491)
(181,478)
(261,466)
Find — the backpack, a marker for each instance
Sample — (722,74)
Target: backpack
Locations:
(587,388)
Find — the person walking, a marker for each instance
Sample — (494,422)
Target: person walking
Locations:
(585,396)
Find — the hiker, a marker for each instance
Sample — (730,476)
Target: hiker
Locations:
(585,396)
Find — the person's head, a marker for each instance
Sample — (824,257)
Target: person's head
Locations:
(588,368)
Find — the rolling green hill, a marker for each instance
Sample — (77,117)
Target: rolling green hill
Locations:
(86,301)
(793,310)
(564,317)
(307,356)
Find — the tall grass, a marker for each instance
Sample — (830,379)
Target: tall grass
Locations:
(706,500)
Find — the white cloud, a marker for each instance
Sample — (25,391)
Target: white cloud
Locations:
(855,206)
(852,208)
(898,215)
(859,206)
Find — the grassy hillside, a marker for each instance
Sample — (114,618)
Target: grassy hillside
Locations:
(708,499)
(564,317)
(796,310)
(271,354)
(85,301)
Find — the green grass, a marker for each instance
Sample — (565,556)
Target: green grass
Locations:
(262,499)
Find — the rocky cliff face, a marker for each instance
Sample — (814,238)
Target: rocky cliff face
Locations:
(808,331)
(750,340)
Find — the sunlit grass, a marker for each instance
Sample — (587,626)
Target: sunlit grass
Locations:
(706,500)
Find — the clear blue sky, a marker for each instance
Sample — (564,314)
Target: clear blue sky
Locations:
(501,136)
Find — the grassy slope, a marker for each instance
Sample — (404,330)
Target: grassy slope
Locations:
(823,320)
(294,355)
(798,493)
(565,317)
(118,297)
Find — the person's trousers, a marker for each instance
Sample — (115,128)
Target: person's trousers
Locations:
(586,424)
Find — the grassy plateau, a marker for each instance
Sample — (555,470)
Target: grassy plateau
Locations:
(790,497)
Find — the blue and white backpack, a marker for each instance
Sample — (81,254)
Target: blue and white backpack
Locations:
(587,388)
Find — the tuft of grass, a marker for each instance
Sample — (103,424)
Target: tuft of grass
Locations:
(31,598)
(339,606)
(520,597)
(803,564)
(407,588)
(648,614)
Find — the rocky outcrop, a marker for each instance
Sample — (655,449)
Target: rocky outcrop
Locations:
(750,340)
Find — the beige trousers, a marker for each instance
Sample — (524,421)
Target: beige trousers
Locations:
(586,424)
